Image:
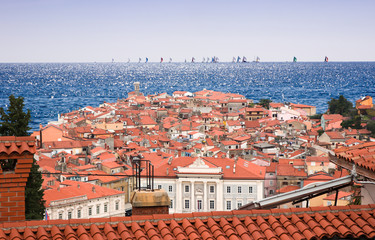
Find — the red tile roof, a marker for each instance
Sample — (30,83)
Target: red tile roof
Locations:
(362,155)
(304,223)
(335,135)
(75,189)
(19,145)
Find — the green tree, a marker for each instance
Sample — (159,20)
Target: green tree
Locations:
(320,132)
(14,121)
(354,122)
(265,103)
(371,127)
(34,192)
(340,106)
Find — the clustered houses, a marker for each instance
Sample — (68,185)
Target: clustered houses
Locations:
(211,151)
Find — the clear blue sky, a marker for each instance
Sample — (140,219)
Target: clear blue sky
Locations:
(93,30)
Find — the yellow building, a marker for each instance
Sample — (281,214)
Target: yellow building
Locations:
(363,104)
(343,199)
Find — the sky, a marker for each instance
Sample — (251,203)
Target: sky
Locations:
(99,31)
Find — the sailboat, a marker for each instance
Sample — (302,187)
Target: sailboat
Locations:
(294,59)
(113,60)
(244,59)
(234,59)
(128,60)
(203,60)
(238,59)
(256,59)
(139,60)
(146,59)
(161,60)
(326,59)
(208,59)
(170,60)
(192,59)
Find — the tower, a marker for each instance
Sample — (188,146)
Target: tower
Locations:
(136,88)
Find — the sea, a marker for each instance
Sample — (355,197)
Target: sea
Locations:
(52,88)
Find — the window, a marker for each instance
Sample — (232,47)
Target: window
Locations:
(239,189)
(229,205)
(106,207)
(69,215)
(97,209)
(117,206)
(239,204)
(159,186)
(171,205)
(199,205)
(212,204)
(90,211)
(60,215)
(187,188)
(187,204)
(250,189)
(271,191)
(79,213)
(170,188)
(212,189)
(271,182)
(228,189)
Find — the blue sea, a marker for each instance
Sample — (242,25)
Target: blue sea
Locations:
(52,88)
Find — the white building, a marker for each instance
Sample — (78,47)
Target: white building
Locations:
(83,200)
(209,184)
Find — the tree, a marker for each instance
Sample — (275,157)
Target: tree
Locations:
(265,103)
(354,122)
(14,122)
(340,106)
(371,127)
(34,192)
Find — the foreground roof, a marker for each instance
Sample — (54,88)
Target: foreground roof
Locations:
(295,223)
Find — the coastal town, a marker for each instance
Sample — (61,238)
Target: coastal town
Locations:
(209,151)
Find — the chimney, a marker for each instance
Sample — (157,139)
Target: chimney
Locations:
(18,152)
(149,202)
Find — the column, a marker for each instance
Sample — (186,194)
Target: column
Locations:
(178,200)
(219,196)
(192,197)
(205,196)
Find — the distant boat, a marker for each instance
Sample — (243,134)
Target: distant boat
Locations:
(128,60)
(170,60)
(192,59)
(234,59)
(244,59)
(161,60)
(238,59)
(215,59)
(294,59)
(146,60)
(326,59)
(257,59)
(139,60)
(208,59)
(203,60)
(113,60)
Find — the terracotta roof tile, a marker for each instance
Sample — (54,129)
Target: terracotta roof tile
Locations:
(307,223)
(19,145)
